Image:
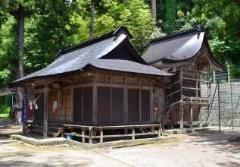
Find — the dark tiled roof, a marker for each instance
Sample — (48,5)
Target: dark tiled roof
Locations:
(176,47)
(127,66)
(76,58)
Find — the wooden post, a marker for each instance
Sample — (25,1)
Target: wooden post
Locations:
(181,116)
(151,105)
(125,101)
(94,116)
(110,101)
(214,77)
(160,132)
(181,82)
(101,136)
(90,135)
(191,116)
(45,120)
(133,133)
(139,105)
(83,136)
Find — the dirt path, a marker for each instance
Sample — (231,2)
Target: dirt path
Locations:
(204,150)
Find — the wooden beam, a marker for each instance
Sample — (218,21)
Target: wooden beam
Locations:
(45,120)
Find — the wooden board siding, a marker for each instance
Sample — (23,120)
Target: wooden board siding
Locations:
(145,105)
(52,96)
(77,105)
(39,112)
(117,105)
(63,113)
(112,106)
(158,97)
(87,104)
(82,104)
(175,114)
(67,108)
(103,105)
(133,105)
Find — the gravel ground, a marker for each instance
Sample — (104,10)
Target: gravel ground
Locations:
(197,150)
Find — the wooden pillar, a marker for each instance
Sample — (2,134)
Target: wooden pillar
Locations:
(139,105)
(83,136)
(45,119)
(191,116)
(94,116)
(181,82)
(90,135)
(125,102)
(151,105)
(160,132)
(133,133)
(181,116)
(101,136)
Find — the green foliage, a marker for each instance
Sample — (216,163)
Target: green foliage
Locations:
(5,106)
(134,14)
(7,50)
(221,18)
(53,25)
(170,14)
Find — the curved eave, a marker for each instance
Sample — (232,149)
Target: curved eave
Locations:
(216,65)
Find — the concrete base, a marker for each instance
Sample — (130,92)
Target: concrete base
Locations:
(121,143)
(179,131)
(72,143)
(39,142)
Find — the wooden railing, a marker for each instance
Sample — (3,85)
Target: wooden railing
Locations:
(97,133)
(5,92)
(188,92)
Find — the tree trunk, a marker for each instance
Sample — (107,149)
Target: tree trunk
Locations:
(91,27)
(19,72)
(154,11)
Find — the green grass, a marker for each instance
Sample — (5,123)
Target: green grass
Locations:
(4,111)
(5,115)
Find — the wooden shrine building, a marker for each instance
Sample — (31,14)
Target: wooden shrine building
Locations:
(187,55)
(100,85)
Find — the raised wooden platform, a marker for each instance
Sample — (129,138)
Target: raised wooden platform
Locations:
(99,134)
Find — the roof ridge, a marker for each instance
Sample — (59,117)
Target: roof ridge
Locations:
(178,34)
(86,43)
(115,33)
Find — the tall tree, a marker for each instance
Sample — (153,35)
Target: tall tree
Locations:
(170,16)
(154,10)
(91,27)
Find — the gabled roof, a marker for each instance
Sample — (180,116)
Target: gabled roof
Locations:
(177,47)
(90,53)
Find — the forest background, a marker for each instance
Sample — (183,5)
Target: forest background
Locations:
(33,31)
